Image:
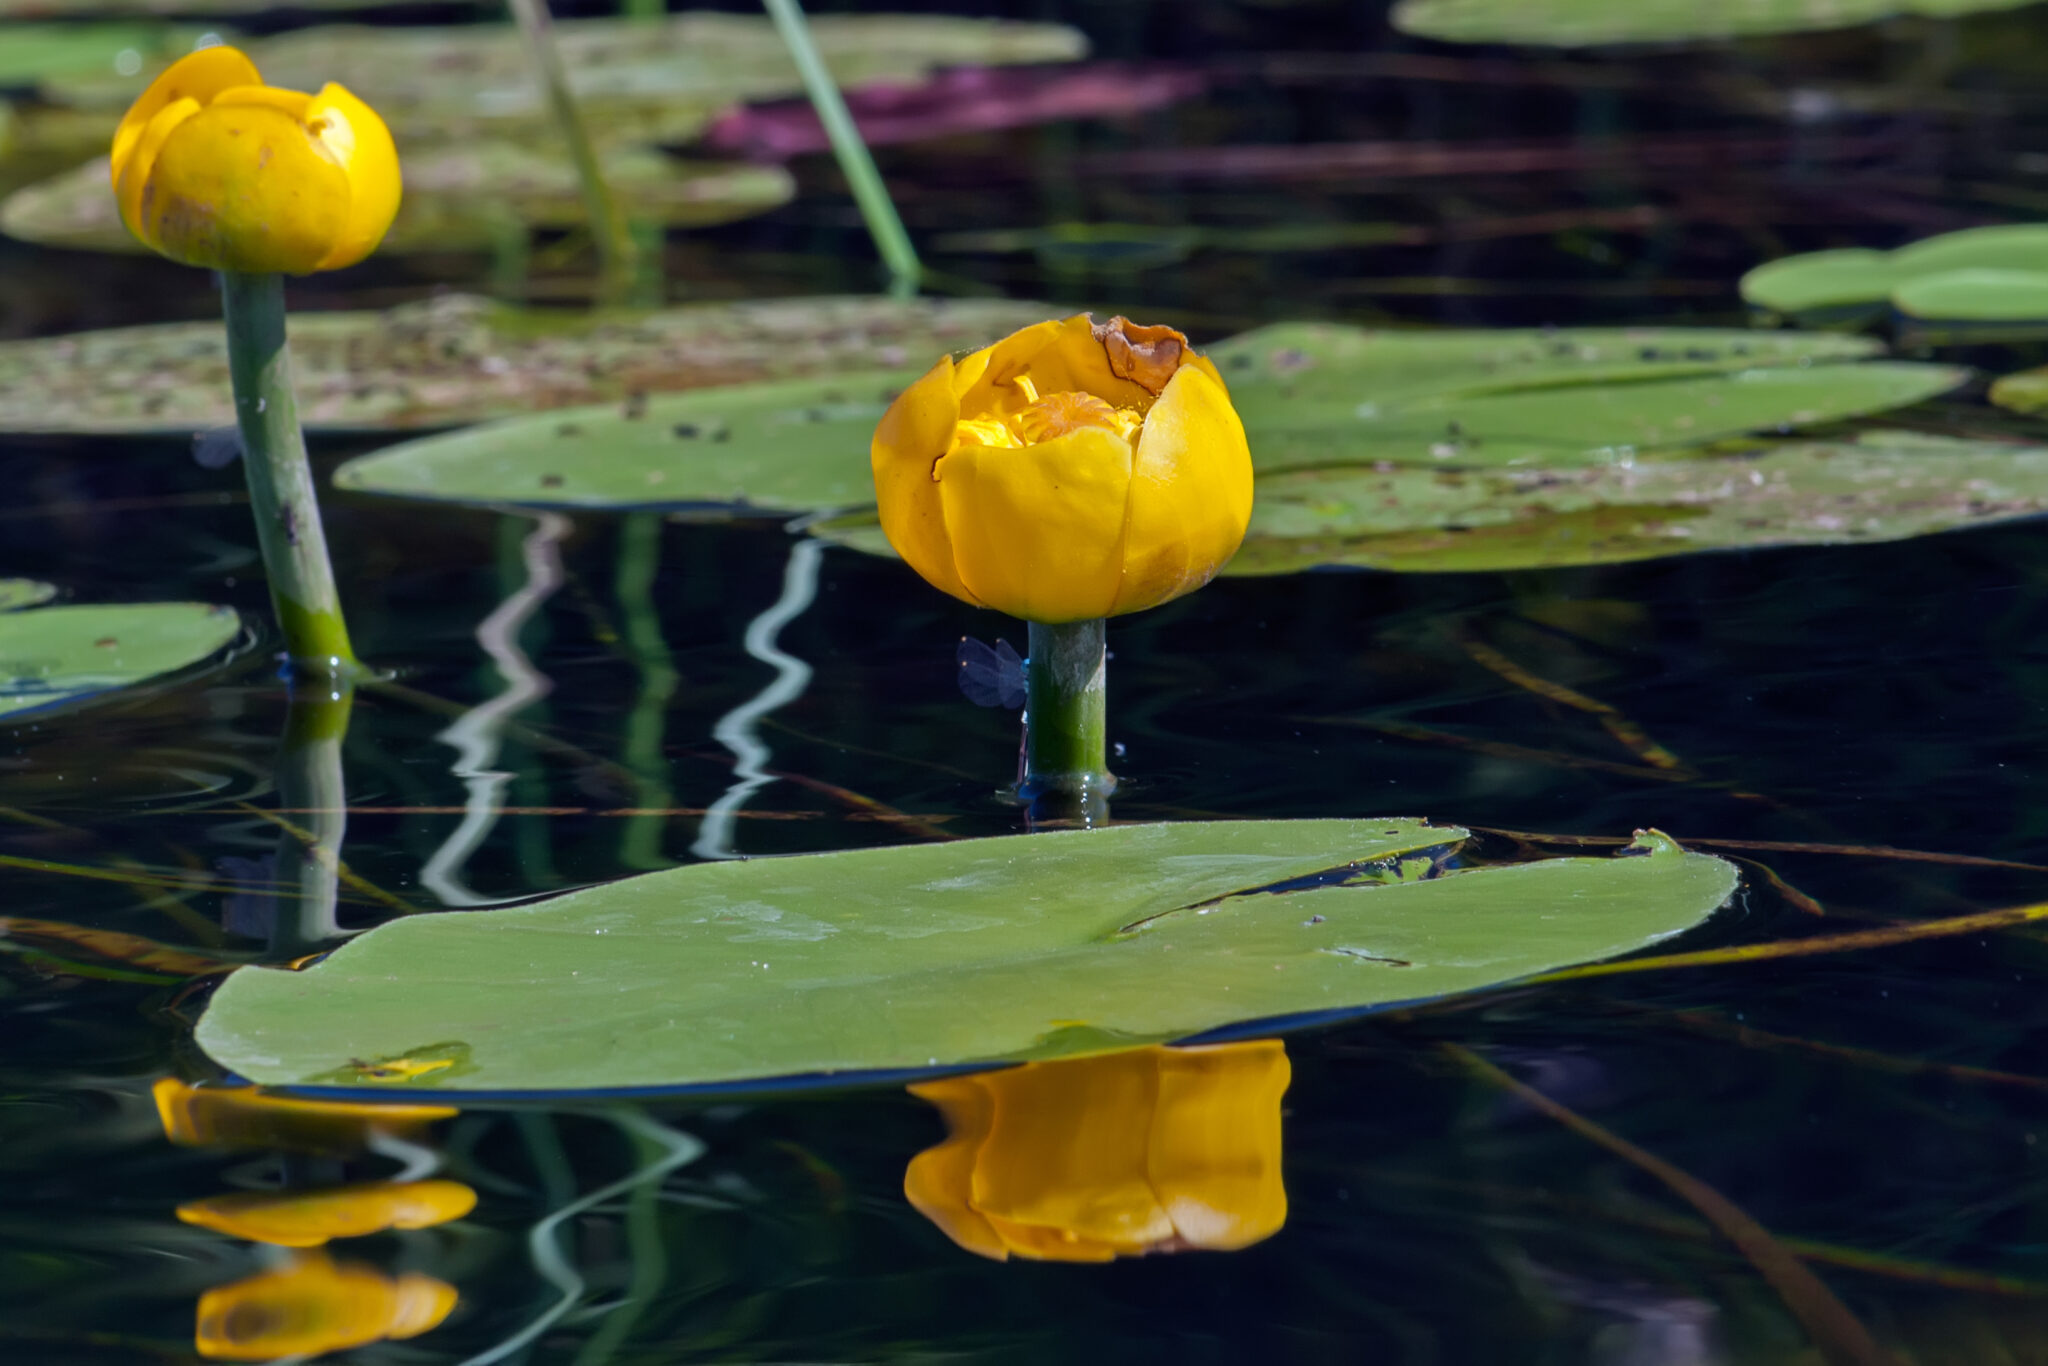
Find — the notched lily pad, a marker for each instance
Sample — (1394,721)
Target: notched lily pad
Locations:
(57,655)
(460,359)
(1588,23)
(978,951)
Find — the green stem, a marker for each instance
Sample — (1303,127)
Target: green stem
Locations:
(310,784)
(1066,699)
(618,252)
(280,479)
(855,161)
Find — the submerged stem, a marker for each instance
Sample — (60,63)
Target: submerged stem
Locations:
(1066,705)
(280,479)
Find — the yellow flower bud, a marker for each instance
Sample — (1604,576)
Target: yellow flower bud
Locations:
(313,1305)
(1072,470)
(214,168)
(1090,1159)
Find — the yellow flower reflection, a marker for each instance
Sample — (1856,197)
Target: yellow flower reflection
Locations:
(1073,470)
(214,168)
(243,1117)
(1090,1159)
(310,1218)
(313,1305)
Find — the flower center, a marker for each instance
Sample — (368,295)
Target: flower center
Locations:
(1046,419)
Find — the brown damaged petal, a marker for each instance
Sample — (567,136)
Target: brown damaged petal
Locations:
(1146,356)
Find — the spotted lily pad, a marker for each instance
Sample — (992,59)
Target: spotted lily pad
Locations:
(460,359)
(977,951)
(1586,23)
(58,655)
(1856,284)
(16,594)
(473,197)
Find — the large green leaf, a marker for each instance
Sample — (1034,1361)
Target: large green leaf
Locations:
(16,594)
(461,359)
(1857,283)
(977,951)
(1886,486)
(636,80)
(1584,23)
(57,655)
(31,53)
(472,197)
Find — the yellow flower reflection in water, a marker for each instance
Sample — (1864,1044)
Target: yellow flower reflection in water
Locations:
(244,1117)
(1090,1159)
(310,1218)
(314,1304)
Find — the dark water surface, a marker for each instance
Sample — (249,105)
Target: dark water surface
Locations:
(1882,1112)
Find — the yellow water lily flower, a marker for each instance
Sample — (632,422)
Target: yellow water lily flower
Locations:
(214,168)
(291,1218)
(1090,1159)
(244,1117)
(314,1305)
(1072,470)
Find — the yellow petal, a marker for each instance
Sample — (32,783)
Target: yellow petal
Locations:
(314,1305)
(1191,491)
(244,187)
(291,102)
(198,77)
(1214,1154)
(1055,1244)
(1067,1154)
(133,176)
(938,1180)
(243,1117)
(358,139)
(1038,532)
(310,1218)
(910,440)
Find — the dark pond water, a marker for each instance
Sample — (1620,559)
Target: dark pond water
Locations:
(1881,1112)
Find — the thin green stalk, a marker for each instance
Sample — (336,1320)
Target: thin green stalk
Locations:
(1066,705)
(644,747)
(617,252)
(309,780)
(280,479)
(855,161)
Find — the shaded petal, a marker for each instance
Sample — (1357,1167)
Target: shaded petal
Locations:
(244,1117)
(132,178)
(244,187)
(1067,1157)
(358,139)
(1191,491)
(1214,1152)
(910,440)
(313,1306)
(199,77)
(938,1180)
(1039,532)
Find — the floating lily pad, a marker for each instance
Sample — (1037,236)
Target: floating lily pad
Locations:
(1976,296)
(638,81)
(460,359)
(1854,284)
(65,654)
(16,594)
(456,198)
(66,9)
(978,951)
(2024,392)
(32,53)
(1586,23)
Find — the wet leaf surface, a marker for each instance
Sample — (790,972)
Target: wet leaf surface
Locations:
(980,950)
(59,655)
(460,359)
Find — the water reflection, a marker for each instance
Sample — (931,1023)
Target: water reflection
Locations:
(1118,1155)
(291,1218)
(314,1304)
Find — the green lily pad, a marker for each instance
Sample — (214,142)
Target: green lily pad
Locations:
(638,81)
(456,198)
(16,594)
(1586,23)
(460,359)
(84,9)
(1976,296)
(933,955)
(59,655)
(33,53)
(2023,392)
(1855,285)
(1886,486)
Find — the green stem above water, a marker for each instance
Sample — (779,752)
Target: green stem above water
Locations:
(280,479)
(1066,708)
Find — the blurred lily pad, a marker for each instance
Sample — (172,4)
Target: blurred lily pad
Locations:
(16,594)
(456,198)
(99,9)
(57,655)
(1585,23)
(977,951)
(1857,285)
(460,359)
(1886,486)
(638,81)
(31,53)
